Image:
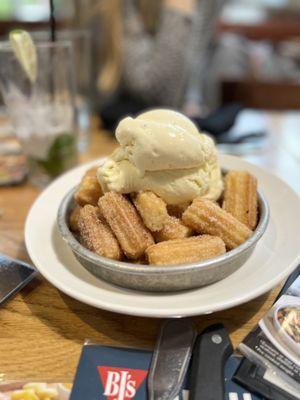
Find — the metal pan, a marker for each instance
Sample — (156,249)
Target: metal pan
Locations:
(165,278)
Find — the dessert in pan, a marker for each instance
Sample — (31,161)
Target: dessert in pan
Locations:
(161,199)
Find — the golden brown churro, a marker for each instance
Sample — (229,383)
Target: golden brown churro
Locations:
(126,224)
(73,219)
(173,229)
(240,197)
(186,250)
(205,216)
(89,189)
(96,234)
(152,209)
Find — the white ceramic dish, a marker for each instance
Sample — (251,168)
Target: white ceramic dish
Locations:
(275,256)
(63,392)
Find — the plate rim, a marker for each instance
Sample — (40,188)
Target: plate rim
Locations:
(153,313)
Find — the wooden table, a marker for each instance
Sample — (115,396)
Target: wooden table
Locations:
(42,330)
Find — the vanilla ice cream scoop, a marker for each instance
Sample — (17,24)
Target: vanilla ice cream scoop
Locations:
(163,140)
(162,151)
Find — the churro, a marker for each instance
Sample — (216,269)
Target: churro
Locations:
(126,224)
(205,216)
(186,250)
(73,219)
(240,197)
(152,209)
(89,189)
(173,229)
(96,235)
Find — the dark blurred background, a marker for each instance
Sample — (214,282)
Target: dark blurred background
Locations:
(256,47)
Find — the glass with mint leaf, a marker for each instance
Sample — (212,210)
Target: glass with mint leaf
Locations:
(37,84)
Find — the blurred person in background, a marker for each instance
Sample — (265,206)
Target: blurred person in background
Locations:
(148,53)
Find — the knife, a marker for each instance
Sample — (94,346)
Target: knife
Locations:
(14,275)
(211,351)
(171,359)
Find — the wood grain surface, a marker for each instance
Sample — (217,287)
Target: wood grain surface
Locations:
(42,330)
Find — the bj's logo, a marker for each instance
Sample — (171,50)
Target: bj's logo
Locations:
(121,383)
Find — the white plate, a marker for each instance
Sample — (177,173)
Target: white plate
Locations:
(276,255)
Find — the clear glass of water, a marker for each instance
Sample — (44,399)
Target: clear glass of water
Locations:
(81,42)
(42,112)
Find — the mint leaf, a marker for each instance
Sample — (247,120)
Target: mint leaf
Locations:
(62,155)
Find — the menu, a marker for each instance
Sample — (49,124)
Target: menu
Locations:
(275,343)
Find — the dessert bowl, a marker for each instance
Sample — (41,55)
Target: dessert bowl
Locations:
(165,278)
(273,260)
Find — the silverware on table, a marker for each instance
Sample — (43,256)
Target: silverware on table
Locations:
(14,275)
(171,359)
(211,351)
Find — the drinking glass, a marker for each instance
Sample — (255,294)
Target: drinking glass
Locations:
(42,112)
(81,42)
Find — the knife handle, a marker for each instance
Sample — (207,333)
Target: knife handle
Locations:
(211,350)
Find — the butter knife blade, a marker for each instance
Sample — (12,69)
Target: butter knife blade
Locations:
(171,359)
